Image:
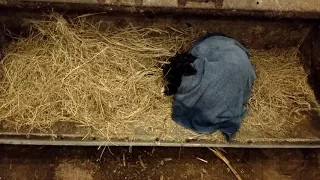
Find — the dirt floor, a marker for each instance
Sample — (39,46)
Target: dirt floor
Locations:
(88,163)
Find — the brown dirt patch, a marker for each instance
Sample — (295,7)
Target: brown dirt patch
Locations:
(75,170)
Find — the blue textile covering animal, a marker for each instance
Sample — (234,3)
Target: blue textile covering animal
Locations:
(211,85)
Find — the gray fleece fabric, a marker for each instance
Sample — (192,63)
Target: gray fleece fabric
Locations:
(215,98)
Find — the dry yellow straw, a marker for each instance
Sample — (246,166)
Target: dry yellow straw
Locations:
(108,80)
(281,95)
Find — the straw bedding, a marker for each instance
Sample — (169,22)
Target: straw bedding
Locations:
(109,82)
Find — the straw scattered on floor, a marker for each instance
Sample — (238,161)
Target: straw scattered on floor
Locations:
(109,82)
(220,155)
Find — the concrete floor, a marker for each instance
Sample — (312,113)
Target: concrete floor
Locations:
(88,163)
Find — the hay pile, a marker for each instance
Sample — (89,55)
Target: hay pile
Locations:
(281,95)
(72,72)
(109,82)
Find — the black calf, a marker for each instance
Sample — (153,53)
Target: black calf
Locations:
(180,65)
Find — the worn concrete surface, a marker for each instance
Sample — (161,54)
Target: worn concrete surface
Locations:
(274,5)
(305,9)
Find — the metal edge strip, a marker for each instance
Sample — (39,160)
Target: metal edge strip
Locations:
(9,141)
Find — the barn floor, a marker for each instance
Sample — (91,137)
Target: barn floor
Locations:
(86,163)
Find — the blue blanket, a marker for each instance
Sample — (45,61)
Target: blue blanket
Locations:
(215,98)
